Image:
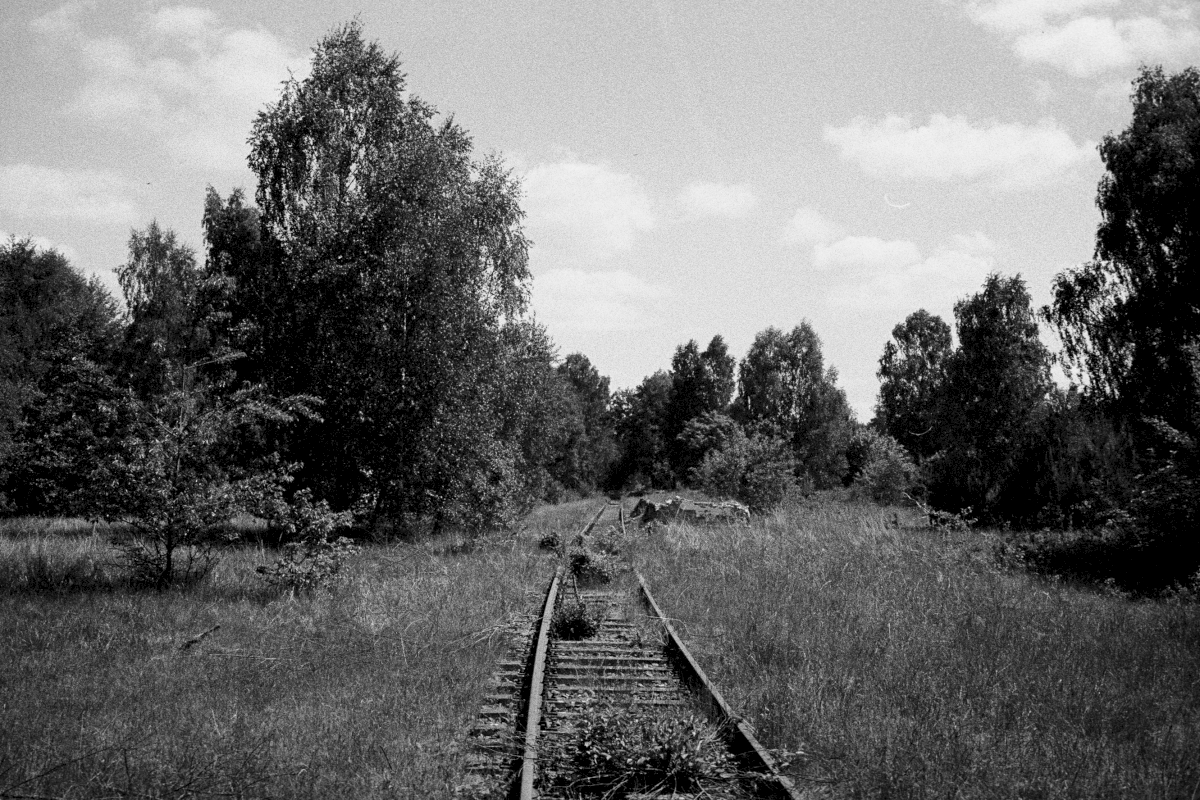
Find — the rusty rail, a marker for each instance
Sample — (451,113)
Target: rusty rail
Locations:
(621,661)
(741,738)
(533,716)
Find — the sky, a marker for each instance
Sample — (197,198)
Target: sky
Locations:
(689,168)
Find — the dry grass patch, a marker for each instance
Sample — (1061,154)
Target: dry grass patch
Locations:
(905,663)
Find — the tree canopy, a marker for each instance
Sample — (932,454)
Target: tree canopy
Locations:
(996,384)
(1128,317)
(786,392)
(911,372)
(394,260)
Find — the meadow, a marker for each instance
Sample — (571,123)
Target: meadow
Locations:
(877,657)
(891,660)
(366,690)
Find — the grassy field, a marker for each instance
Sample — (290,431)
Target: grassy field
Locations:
(367,691)
(902,662)
(885,661)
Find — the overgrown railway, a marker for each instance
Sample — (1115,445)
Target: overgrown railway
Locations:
(623,712)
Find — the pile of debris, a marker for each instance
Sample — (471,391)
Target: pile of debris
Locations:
(696,512)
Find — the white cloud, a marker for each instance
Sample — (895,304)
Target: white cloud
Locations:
(1090,46)
(927,282)
(977,242)
(584,209)
(183,78)
(1019,15)
(718,200)
(1057,33)
(1083,47)
(571,299)
(809,226)
(1006,155)
(33,192)
(870,273)
(864,253)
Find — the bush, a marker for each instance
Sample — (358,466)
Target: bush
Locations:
(758,471)
(882,469)
(589,567)
(622,750)
(571,622)
(1150,548)
(610,542)
(550,541)
(312,558)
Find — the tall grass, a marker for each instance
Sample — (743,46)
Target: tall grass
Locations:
(905,663)
(366,691)
(40,563)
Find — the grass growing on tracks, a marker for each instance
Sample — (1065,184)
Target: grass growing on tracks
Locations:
(366,691)
(905,663)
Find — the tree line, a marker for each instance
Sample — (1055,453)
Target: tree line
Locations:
(356,342)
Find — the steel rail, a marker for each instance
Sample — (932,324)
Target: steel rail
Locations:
(533,716)
(741,737)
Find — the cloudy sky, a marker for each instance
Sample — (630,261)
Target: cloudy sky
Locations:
(690,168)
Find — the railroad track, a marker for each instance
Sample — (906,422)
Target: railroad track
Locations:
(566,717)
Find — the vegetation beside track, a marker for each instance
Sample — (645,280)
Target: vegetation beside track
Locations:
(366,690)
(904,662)
(886,661)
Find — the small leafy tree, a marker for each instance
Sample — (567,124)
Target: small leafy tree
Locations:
(172,481)
(312,556)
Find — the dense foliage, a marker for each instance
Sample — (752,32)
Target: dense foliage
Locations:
(911,373)
(355,345)
(59,407)
(1129,317)
(1115,454)
(786,393)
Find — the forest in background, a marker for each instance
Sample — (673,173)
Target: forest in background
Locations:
(353,349)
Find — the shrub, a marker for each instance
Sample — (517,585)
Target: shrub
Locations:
(882,468)
(622,749)
(589,567)
(313,558)
(610,542)
(759,471)
(571,621)
(173,482)
(550,541)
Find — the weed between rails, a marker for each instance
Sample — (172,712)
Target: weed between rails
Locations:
(621,750)
(572,621)
(907,662)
